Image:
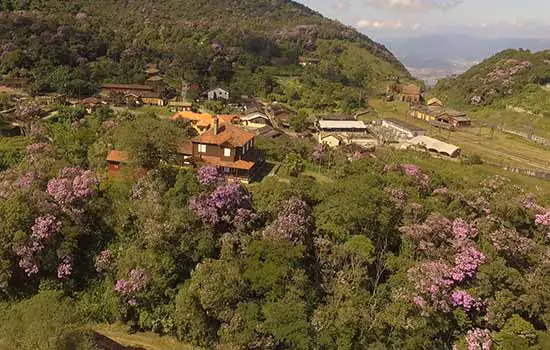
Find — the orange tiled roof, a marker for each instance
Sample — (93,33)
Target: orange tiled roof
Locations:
(204,119)
(127,87)
(192,116)
(227,133)
(240,164)
(117,156)
(228,118)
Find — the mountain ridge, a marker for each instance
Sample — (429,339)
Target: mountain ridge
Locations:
(106,41)
(516,78)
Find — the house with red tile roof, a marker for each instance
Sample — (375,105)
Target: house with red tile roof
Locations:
(115,159)
(227,147)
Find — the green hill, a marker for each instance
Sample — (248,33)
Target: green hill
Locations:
(71,47)
(515,78)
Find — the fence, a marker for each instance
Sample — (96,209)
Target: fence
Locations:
(528,172)
(531,137)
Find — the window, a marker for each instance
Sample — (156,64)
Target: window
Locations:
(226,170)
(227,152)
(202,148)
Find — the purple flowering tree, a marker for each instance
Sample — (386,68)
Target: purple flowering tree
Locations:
(222,205)
(436,282)
(138,279)
(43,230)
(72,187)
(103,261)
(65,268)
(209,175)
(413,172)
(479,339)
(293,223)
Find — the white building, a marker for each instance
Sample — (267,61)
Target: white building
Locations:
(217,94)
(342,126)
(402,128)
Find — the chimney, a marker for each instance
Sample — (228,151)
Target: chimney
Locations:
(216,125)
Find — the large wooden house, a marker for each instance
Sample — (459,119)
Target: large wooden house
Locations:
(134,94)
(405,93)
(227,147)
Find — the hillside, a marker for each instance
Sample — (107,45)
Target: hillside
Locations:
(241,45)
(517,78)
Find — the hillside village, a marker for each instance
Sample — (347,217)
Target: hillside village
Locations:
(250,175)
(250,118)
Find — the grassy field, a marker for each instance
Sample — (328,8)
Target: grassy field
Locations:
(141,341)
(491,145)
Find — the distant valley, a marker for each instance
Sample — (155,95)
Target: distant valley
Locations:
(432,57)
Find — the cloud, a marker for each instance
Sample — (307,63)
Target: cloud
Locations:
(342,5)
(365,23)
(414,5)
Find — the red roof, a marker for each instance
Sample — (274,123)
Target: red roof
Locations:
(239,164)
(126,87)
(227,133)
(117,156)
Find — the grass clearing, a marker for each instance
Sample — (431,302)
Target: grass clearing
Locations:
(140,340)
(491,146)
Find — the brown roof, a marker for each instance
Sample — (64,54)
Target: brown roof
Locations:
(117,156)
(410,89)
(155,78)
(239,164)
(227,133)
(150,94)
(126,87)
(152,70)
(185,147)
(91,101)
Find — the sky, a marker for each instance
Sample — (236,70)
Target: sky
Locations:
(397,18)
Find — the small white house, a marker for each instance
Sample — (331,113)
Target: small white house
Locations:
(330,140)
(217,94)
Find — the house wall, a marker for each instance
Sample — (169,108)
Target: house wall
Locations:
(218,93)
(218,152)
(153,101)
(330,141)
(113,166)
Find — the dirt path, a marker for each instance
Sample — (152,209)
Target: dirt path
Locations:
(140,341)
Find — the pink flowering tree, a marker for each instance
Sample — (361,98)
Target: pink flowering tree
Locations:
(103,261)
(43,232)
(223,205)
(137,281)
(413,172)
(72,187)
(479,339)
(209,175)
(437,282)
(294,222)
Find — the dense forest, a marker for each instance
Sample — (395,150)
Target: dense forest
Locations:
(250,47)
(396,251)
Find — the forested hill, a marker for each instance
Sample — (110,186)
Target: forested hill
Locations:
(511,77)
(72,46)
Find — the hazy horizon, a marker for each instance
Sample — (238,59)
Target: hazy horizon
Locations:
(409,18)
